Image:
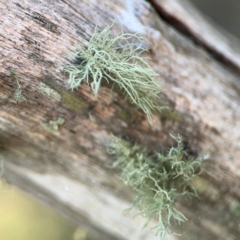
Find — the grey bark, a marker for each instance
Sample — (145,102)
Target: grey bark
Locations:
(68,168)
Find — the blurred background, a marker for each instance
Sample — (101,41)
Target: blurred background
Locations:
(224,13)
(24,218)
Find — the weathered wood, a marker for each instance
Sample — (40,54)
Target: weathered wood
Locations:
(183,16)
(68,167)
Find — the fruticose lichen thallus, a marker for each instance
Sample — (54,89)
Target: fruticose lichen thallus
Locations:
(116,59)
(159,180)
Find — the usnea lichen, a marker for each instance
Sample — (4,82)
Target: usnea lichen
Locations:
(158,180)
(116,59)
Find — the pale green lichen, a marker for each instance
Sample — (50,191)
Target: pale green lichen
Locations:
(49,92)
(158,180)
(53,126)
(18,96)
(116,59)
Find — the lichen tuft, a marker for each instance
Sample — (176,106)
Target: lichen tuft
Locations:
(18,96)
(116,59)
(158,180)
(53,126)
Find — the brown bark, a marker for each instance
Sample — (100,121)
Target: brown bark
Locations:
(67,168)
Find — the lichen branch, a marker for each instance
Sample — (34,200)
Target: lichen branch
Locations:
(158,180)
(116,59)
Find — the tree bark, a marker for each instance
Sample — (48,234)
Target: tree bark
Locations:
(66,165)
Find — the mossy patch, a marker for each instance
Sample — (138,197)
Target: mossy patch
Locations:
(234,205)
(172,114)
(122,113)
(71,102)
(49,92)
(68,100)
(206,188)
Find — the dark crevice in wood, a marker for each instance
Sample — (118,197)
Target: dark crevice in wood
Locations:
(183,29)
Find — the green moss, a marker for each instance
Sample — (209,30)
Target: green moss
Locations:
(68,100)
(71,102)
(158,179)
(172,115)
(206,188)
(122,113)
(118,60)
(49,92)
(18,96)
(53,126)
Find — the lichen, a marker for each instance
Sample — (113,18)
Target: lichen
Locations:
(158,179)
(53,126)
(116,59)
(49,92)
(18,96)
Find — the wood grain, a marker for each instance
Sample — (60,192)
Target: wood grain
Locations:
(68,168)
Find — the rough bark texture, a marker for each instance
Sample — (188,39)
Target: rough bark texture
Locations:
(67,168)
